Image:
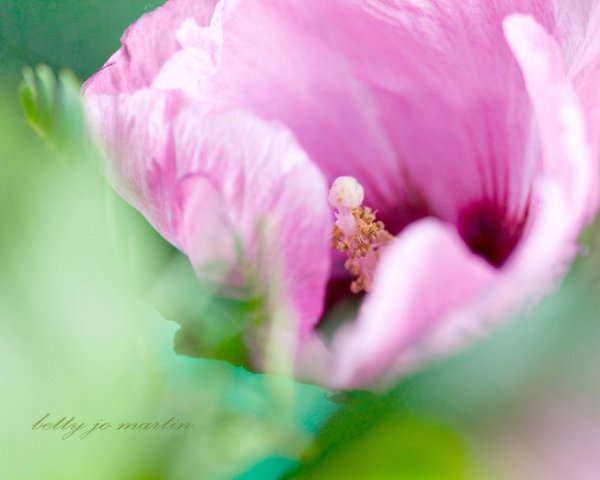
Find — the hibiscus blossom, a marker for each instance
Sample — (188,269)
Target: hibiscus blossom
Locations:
(457,138)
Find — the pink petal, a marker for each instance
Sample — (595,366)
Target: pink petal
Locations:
(220,187)
(136,130)
(578,26)
(272,194)
(431,294)
(396,94)
(566,186)
(147,45)
(275,60)
(425,276)
(393,94)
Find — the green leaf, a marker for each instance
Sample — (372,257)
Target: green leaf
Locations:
(214,319)
(370,442)
(53,108)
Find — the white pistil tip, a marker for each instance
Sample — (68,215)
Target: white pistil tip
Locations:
(346,192)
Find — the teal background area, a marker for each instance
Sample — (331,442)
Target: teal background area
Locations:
(76,34)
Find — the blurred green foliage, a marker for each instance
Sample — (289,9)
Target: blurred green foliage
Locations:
(77,341)
(369,441)
(179,296)
(53,109)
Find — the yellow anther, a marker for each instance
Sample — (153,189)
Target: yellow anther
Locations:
(357,233)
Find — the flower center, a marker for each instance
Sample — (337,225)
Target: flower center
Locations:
(356,232)
(489,232)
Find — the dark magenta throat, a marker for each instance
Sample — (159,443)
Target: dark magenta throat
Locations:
(490,232)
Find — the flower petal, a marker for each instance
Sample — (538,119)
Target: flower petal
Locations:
(426,275)
(566,185)
(273,196)
(395,96)
(147,45)
(396,93)
(578,26)
(229,188)
(430,293)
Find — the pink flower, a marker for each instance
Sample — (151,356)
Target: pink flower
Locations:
(469,126)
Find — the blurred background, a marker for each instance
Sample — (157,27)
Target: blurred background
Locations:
(91,299)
